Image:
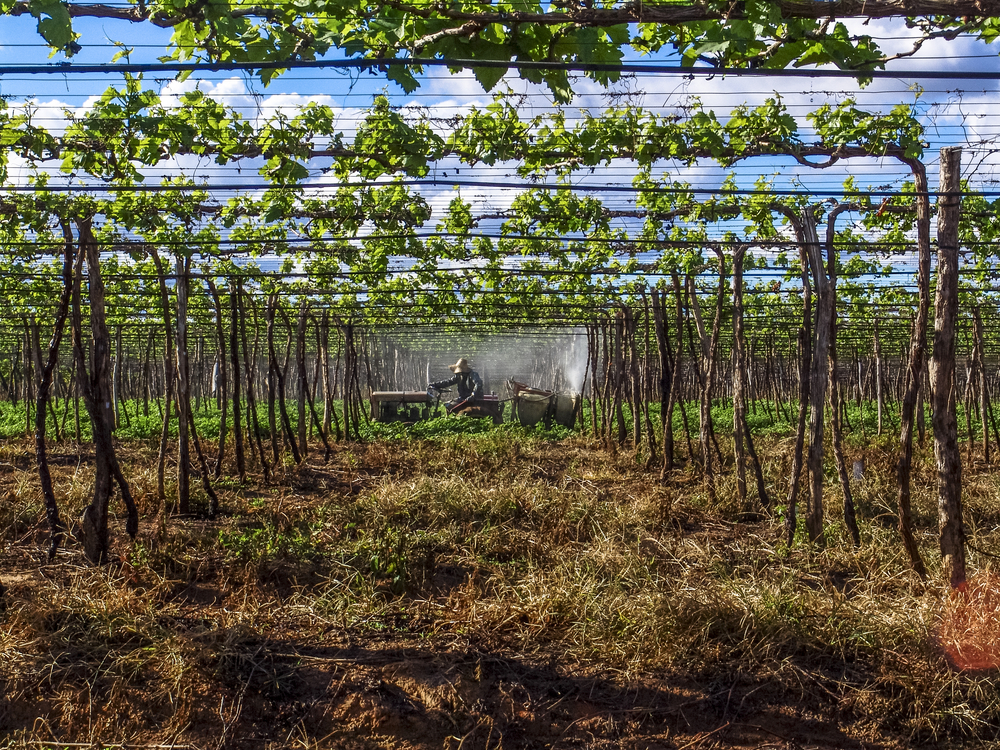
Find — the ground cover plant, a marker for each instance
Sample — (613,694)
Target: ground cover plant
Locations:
(499,589)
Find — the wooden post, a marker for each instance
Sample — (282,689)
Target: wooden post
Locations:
(223,381)
(946,451)
(805,358)
(56,526)
(234,354)
(879,391)
(984,399)
(739,374)
(302,382)
(818,376)
(183,389)
(169,371)
(836,411)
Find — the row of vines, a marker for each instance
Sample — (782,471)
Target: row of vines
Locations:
(286,301)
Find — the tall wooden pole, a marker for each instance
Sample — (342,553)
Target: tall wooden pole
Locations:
(946,452)
(818,376)
(183,388)
(915,371)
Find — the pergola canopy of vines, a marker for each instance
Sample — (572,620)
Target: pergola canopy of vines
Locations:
(367,242)
(755,34)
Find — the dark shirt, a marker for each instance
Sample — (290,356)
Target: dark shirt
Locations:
(469,384)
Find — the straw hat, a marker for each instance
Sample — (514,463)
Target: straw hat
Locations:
(461,366)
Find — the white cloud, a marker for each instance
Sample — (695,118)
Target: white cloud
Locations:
(232,91)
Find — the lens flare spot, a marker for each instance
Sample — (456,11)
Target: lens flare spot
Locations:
(970,624)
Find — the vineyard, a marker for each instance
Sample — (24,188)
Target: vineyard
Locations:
(755,320)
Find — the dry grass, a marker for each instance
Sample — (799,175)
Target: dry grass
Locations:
(507,554)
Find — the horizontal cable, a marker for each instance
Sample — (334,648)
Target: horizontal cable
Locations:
(435,182)
(382,63)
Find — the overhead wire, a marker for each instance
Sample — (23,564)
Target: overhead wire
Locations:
(382,63)
(579,187)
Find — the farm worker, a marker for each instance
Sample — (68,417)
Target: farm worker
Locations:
(470,385)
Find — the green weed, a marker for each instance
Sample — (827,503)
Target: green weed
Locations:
(258,545)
